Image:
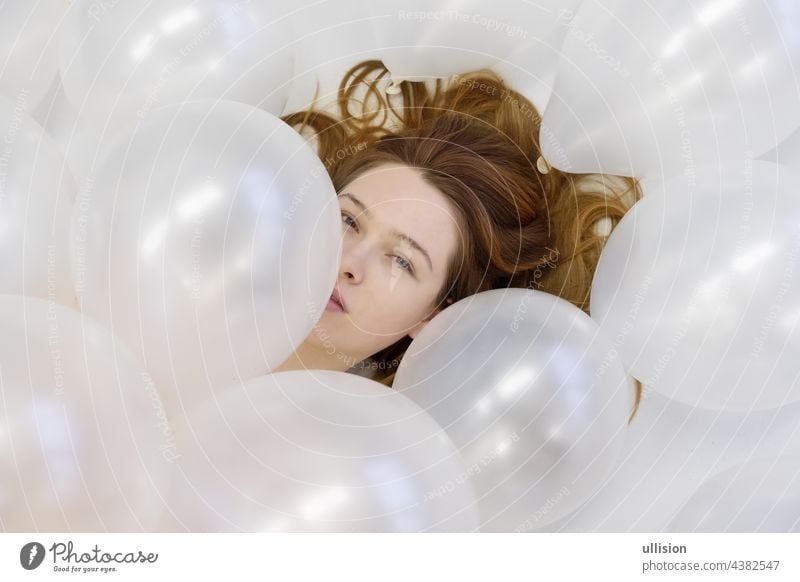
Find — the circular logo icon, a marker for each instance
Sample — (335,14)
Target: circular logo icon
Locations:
(31,555)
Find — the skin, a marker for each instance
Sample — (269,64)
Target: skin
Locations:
(388,287)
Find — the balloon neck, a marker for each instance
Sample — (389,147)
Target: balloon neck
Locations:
(394,86)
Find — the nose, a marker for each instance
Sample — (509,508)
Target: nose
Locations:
(354,261)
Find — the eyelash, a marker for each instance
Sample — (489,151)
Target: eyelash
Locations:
(408,266)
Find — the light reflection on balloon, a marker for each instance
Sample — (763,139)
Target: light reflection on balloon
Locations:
(708,264)
(545,411)
(209,242)
(121,60)
(649,89)
(316,451)
(83,434)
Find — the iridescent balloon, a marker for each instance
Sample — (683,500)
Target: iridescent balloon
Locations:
(420,39)
(659,88)
(36,196)
(209,240)
(85,444)
(532,394)
(29,48)
(317,451)
(698,287)
(120,61)
(760,495)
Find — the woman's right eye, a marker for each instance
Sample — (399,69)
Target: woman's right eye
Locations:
(353,224)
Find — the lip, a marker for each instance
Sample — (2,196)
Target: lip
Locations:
(335,303)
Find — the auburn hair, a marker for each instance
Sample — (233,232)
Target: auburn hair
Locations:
(476,140)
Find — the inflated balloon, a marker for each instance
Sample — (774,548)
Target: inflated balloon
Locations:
(121,60)
(530,67)
(77,140)
(698,286)
(533,396)
(758,496)
(786,153)
(86,445)
(208,242)
(328,38)
(649,89)
(36,196)
(424,39)
(28,61)
(316,451)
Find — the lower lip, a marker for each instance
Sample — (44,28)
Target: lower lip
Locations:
(333,306)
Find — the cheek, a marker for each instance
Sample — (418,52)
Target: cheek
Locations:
(393,312)
(374,316)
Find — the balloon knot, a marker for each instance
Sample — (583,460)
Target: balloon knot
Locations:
(394,87)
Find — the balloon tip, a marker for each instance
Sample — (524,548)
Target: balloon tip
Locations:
(542,165)
(394,87)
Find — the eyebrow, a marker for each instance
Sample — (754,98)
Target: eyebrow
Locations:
(395,233)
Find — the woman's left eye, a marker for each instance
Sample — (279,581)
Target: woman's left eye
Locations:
(404,264)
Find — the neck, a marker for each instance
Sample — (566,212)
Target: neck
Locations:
(311,357)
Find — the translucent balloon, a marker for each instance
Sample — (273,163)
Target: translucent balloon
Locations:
(121,60)
(209,240)
(649,88)
(533,396)
(759,496)
(426,39)
(327,39)
(320,451)
(786,153)
(77,140)
(36,196)
(530,67)
(86,445)
(697,285)
(28,61)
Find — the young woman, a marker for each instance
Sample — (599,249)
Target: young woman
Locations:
(443,194)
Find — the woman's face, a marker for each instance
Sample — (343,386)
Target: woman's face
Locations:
(399,234)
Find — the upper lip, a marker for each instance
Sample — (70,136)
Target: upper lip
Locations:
(338,299)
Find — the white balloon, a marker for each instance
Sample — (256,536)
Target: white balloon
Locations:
(758,496)
(328,38)
(316,451)
(697,287)
(28,43)
(649,89)
(534,397)
(86,445)
(209,240)
(36,196)
(423,39)
(77,140)
(530,67)
(121,60)
(786,153)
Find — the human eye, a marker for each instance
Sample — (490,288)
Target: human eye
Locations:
(405,264)
(353,224)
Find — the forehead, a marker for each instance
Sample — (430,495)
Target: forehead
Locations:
(397,197)
(392,183)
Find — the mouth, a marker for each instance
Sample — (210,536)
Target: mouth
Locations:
(335,303)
